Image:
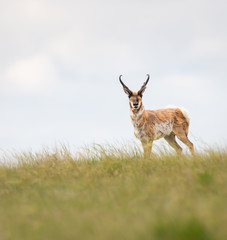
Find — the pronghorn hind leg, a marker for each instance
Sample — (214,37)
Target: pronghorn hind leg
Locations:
(187,142)
(172,142)
(182,135)
(147,147)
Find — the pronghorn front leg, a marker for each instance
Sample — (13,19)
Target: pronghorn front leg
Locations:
(147,146)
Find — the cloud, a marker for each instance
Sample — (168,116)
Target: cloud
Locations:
(29,76)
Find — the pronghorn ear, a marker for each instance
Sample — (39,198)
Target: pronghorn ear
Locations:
(127,91)
(142,89)
(125,88)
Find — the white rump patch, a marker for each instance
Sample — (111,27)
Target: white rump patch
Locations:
(185,113)
(183,110)
(163,129)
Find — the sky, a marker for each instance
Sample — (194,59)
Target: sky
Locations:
(60,62)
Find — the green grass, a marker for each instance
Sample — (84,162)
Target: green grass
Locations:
(111,193)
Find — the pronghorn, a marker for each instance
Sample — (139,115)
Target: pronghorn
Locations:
(150,125)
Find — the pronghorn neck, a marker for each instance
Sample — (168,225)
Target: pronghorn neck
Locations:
(137,112)
(137,115)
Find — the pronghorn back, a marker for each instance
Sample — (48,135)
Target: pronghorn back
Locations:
(183,110)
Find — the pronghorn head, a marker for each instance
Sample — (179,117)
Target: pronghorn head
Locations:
(135,98)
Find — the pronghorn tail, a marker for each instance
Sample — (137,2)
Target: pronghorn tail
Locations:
(183,110)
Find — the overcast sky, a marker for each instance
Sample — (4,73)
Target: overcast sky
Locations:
(60,62)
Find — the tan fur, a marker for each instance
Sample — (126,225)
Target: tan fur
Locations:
(172,121)
(150,125)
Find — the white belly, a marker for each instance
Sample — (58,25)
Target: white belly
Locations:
(163,129)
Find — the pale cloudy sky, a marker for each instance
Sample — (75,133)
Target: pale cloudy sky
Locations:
(60,62)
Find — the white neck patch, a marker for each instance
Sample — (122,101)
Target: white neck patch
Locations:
(137,119)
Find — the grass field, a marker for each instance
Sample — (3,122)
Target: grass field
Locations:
(110,193)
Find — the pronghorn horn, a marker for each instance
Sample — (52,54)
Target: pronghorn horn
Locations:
(142,89)
(126,89)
